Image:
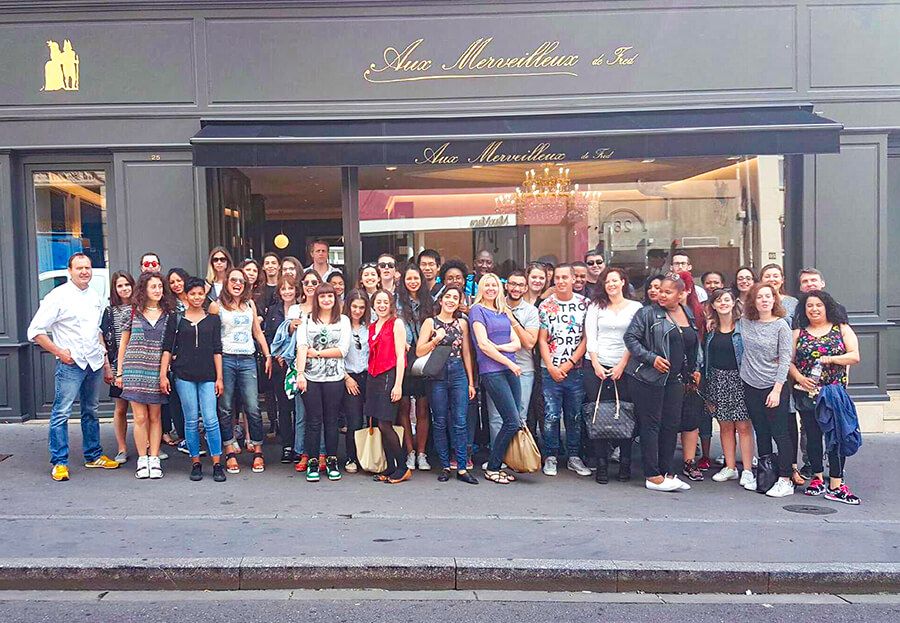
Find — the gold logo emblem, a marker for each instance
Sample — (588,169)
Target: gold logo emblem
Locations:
(62,70)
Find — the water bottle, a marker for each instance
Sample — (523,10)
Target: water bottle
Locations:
(815,376)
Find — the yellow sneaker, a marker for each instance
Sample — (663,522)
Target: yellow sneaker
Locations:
(103,462)
(60,473)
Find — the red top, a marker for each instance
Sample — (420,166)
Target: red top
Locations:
(382,350)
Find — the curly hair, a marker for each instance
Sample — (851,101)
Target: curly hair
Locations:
(451,264)
(750,310)
(139,298)
(834,311)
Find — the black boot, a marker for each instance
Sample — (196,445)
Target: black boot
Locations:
(601,476)
(624,471)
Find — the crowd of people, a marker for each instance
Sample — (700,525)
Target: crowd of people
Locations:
(331,355)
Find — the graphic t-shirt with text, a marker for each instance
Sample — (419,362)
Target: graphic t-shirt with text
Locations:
(564,323)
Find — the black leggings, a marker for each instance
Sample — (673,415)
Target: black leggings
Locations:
(771,424)
(352,408)
(284,405)
(815,448)
(393,451)
(602,447)
(322,402)
(658,409)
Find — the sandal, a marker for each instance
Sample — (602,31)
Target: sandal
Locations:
(232,468)
(498,477)
(797,479)
(236,448)
(380,478)
(406,476)
(509,476)
(169,440)
(259,463)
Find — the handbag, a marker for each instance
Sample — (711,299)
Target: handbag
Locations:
(430,365)
(766,472)
(522,454)
(370,450)
(609,419)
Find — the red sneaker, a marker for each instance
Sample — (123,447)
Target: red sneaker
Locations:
(322,465)
(302,465)
(704,463)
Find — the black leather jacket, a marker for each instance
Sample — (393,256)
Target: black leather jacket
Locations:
(648,338)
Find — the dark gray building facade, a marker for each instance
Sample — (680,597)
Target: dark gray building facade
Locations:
(132,104)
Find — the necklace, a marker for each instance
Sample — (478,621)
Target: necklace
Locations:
(152,308)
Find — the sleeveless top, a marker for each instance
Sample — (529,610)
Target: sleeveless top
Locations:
(382,353)
(237,332)
(140,368)
(453,339)
(810,348)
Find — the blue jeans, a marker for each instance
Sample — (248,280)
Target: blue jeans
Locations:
(300,428)
(199,399)
(72,382)
(562,400)
(449,402)
(239,375)
(505,390)
(526,380)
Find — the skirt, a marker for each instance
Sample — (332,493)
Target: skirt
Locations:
(725,393)
(378,405)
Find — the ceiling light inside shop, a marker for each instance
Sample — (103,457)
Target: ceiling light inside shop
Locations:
(648,160)
(390,168)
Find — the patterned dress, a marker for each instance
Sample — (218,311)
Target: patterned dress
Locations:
(140,369)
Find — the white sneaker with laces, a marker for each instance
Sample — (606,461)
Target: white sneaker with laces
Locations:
(423,462)
(576,465)
(748,480)
(726,473)
(411,460)
(155,469)
(351,467)
(665,485)
(781,489)
(143,469)
(550,466)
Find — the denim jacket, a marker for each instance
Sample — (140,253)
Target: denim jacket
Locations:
(648,337)
(736,340)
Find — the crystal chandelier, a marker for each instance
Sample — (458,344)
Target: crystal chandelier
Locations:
(549,187)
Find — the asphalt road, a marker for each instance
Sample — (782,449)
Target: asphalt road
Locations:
(355,607)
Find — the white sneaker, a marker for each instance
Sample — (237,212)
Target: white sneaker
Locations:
(550,466)
(748,480)
(121,458)
(411,460)
(726,473)
(665,485)
(155,470)
(781,489)
(351,467)
(680,484)
(143,469)
(423,463)
(577,465)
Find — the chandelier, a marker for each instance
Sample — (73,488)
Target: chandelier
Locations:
(549,187)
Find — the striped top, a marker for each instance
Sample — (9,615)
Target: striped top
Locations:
(140,368)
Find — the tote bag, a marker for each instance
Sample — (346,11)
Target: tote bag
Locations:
(430,365)
(609,419)
(370,450)
(522,454)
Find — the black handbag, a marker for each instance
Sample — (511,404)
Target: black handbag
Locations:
(766,472)
(430,365)
(609,419)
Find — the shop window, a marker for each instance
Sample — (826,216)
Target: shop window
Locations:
(724,212)
(70,217)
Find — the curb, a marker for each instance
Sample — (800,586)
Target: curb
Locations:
(602,576)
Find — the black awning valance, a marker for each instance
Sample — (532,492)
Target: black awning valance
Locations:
(528,139)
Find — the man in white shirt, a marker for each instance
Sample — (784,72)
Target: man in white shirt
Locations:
(524,319)
(71,313)
(318,250)
(562,345)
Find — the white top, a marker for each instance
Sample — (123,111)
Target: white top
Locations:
(322,337)
(293,313)
(357,359)
(72,316)
(564,323)
(237,332)
(605,331)
(526,315)
(329,271)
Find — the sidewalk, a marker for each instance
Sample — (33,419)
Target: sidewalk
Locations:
(110,515)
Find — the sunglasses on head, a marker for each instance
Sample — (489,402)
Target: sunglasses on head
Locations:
(150,264)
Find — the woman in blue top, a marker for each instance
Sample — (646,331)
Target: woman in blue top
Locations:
(495,346)
(723,390)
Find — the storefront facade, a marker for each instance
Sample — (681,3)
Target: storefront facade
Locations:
(740,133)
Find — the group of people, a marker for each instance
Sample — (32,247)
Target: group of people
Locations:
(528,350)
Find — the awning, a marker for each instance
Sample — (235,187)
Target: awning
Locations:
(527,139)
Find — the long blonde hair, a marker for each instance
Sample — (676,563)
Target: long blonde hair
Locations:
(501,299)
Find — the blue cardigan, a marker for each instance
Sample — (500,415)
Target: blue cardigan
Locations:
(837,418)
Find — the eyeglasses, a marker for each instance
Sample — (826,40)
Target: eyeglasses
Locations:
(218,259)
(595,262)
(150,264)
(235,280)
(386,264)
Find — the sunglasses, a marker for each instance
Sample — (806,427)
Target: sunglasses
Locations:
(386,264)
(216,260)
(235,280)
(150,264)
(358,342)
(311,283)
(595,262)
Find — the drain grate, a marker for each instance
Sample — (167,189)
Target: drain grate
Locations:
(3,457)
(809,509)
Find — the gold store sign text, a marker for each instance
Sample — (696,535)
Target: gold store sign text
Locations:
(547,59)
(494,153)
